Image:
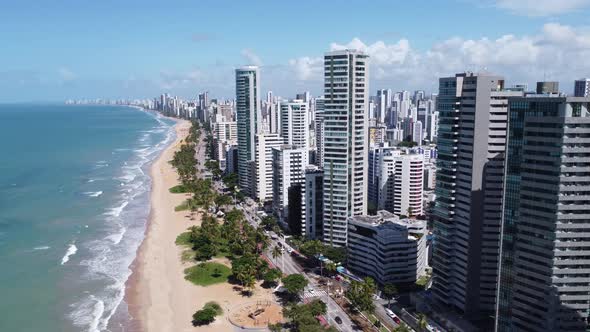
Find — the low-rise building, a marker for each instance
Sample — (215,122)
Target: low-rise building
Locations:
(386,248)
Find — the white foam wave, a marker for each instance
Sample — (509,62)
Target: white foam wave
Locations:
(89,313)
(93,193)
(124,225)
(72,250)
(41,248)
(116,211)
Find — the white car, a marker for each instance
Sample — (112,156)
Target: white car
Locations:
(389,312)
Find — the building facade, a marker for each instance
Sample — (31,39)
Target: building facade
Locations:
(386,248)
(396,181)
(582,87)
(289,164)
(249,120)
(294,124)
(346,85)
(545,259)
(263,170)
(469,182)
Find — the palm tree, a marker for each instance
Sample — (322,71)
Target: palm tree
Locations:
(250,282)
(276,252)
(331,268)
(422,322)
(389,290)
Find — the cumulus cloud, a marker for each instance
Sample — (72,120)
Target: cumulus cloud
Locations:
(558,52)
(542,7)
(307,68)
(251,57)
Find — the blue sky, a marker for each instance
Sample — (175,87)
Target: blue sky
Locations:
(53,50)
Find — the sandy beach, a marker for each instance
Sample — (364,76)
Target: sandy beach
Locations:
(158,296)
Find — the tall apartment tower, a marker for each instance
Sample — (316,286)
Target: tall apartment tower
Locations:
(469,181)
(289,164)
(319,131)
(396,181)
(545,258)
(249,119)
(582,87)
(346,141)
(294,124)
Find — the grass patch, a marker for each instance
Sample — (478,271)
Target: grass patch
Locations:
(187,256)
(208,273)
(179,189)
(182,207)
(184,239)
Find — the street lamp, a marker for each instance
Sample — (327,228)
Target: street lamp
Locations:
(236,191)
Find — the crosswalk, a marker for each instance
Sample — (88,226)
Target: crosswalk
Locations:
(316,293)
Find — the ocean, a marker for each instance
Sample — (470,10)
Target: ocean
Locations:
(74,201)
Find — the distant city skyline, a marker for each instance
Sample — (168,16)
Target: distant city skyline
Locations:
(56,51)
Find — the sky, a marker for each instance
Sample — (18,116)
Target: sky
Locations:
(56,50)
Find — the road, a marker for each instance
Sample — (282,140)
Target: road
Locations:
(288,265)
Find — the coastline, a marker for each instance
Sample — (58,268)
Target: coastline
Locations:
(157,296)
(140,291)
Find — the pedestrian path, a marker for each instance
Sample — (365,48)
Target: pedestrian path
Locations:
(316,293)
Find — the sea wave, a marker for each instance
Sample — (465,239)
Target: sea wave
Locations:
(72,250)
(93,193)
(41,248)
(124,225)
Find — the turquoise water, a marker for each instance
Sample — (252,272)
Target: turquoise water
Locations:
(74,191)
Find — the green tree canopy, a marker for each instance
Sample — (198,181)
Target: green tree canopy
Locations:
(294,283)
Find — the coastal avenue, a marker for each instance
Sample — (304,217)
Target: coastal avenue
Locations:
(285,262)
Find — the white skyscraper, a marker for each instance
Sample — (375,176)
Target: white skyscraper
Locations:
(418,134)
(346,86)
(289,164)
(249,120)
(293,123)
(396,181)
(263,172)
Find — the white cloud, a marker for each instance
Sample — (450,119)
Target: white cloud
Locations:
(306,68)
(66,75)
(559,52)
(251,57)
(542,7)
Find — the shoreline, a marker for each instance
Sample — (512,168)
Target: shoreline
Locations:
(137,293)
(157,296)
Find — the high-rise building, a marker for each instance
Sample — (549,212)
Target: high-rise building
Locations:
(396,181)
(582,87)
(262,171)
(469,180)
(289,164)
(249,120)
(319,131)
(418,135)
(545,261)
(381,105)
(346,86)
(293,123)
(312,221)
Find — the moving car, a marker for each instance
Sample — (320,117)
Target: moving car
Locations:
(338,319)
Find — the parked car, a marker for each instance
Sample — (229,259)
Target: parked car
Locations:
(338,319)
